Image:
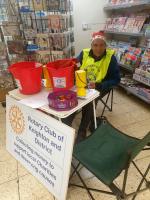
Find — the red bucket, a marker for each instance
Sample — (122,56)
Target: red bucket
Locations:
(62,74)
(27,76)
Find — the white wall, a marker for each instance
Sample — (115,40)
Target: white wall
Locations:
(90,12)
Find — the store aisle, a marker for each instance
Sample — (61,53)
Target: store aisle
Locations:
(129,115)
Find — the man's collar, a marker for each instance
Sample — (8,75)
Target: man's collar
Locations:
(95,57)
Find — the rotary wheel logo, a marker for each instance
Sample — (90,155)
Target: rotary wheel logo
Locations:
(16,119)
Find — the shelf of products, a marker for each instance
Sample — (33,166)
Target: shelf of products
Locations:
(127,4)
(44,31)
(135,88)
(133,91)
(136,25)
(133,56)
(127,67)
(125,33)
(142,79)
(40,31)
(127,56)
(6,80)
(142,73)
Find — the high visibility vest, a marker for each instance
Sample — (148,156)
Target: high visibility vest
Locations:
(96,71)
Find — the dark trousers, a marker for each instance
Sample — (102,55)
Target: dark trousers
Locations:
(87,117)
(87,114)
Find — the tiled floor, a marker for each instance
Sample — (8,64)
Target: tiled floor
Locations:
(129,115)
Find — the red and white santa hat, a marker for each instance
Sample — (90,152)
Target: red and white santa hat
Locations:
(98,35)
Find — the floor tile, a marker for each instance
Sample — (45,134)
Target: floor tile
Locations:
(31,189)
(134,177)
(9,191)
(8,170)
(5,155)
(75,193)
(143,196)
(21,170)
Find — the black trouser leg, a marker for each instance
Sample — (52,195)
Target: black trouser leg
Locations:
(69,120)
(87,115)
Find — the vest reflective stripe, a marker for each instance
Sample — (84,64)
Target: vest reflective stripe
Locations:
(96,71)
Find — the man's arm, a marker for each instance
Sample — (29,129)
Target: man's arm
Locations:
(113,76)
(80,57)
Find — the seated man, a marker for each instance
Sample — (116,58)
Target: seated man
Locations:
(102,73)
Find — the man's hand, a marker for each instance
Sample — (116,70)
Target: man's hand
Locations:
(91,85)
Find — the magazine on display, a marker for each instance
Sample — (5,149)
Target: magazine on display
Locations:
(145,62)
(10,29)
(121,23)
(43,56)
(132,23)
(42,40)
(54,23)
(30,34)
(53,5)
(58,41)
(16,47)
(58,23)
(39,5)
(129,24)
(57,55)
(120,2)
(139,22)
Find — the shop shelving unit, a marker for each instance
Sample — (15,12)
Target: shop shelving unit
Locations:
(40,31)
(47,29)
(141,79)
(127,67)
(127,8)
(6,80)
(133,91)
(125,33)
(141,4)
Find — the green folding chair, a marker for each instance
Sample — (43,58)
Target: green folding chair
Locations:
(106,153)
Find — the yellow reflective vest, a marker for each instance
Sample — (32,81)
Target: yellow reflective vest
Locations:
(96,71)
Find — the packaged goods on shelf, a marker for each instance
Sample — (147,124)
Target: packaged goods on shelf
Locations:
(128,81)
(145,62)
(120,2)
(10,29)
(16,47)
(126,54)
(135,87)
(142,73)
(48,5)
(145,92)
(131,24)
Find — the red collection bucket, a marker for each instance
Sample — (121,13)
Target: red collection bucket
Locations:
(62,74)
(27,76)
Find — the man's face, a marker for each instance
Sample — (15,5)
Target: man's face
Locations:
(98,46)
